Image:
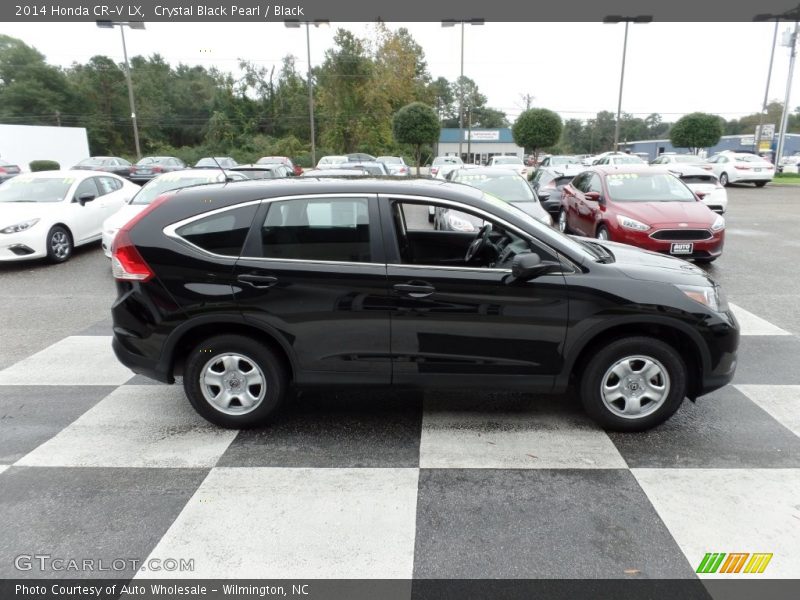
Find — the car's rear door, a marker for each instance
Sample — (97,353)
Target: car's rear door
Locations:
(313,274)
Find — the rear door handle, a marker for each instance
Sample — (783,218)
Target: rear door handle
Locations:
(414,290)
(258,281)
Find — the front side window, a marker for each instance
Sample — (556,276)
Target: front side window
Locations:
(331,229)
(221,233)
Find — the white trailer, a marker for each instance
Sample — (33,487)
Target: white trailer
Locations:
(21,144)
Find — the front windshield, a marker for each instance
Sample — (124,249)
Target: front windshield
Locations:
(510,188)
(647,187)
(447,160)
(687,158)
(35,189)
(507,160)
(628,160)
(170,182)
(564,160)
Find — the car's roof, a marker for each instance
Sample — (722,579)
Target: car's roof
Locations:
(69,174)
(257,167)
(621,169)
(490,171)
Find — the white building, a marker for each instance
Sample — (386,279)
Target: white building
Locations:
(21,144)
(478,145)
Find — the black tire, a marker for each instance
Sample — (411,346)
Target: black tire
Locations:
(599,367)
(59,244)
(261,357)
(562,221)
(705,261)
(603,233)
(760,183)
(723,179)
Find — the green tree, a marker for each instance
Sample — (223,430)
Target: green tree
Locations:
(537,128)
(696,130)
(416,124)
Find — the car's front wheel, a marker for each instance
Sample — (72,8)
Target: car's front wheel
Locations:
(234,381)
(633,384)
(59,244)
(723,179)
(602,233)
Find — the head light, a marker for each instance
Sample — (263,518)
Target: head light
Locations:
(20,226)
(629,223)
(706,295)
(719,223)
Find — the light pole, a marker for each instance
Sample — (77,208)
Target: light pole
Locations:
(122,25)
(612,19)
(792,43)
(766,91)
(316,23)
(451,23)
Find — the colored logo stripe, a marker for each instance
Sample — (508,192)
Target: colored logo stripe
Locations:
(734,562)
(758,563)
(711,562)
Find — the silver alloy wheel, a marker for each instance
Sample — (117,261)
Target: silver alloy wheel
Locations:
(233,383)
(562,222)
(635,386)
(602,234)
(59,244)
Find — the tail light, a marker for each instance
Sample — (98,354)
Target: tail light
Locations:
(707,167)
(158,169)
(126,262)
(403,170)
(3,171)
(434,170)
(741,167)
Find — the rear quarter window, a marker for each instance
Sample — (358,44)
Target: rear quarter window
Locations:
(222,233)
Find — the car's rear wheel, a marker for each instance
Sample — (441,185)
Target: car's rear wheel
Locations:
(234,381)
(760,183)
(723,179)
(633,384)
(562,222)
(59,244)
(602,233)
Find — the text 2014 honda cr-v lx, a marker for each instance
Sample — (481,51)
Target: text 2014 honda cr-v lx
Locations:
(247,288)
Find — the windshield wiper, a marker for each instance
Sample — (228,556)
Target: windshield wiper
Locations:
(602,254)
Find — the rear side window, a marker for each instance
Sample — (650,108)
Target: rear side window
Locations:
(222,233)
(698,179)
(334,229)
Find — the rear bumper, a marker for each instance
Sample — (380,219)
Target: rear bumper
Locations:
(139,364)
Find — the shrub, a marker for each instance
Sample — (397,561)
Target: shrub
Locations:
(44,165)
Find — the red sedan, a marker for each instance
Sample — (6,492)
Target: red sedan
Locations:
(642,206)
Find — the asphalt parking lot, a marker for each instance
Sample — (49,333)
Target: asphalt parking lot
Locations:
(95,462)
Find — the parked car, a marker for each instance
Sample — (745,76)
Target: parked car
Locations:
(644,207)
(442,165)
(513,163)
(327,161)
(108,164)
(360,157)
(741,167)
(281,160)
(704,184)
(152,166)
(559,161)
(396,164)
(7,170)
(500,183)
(789,161)
(215,162)
(671,160)
(548,182)
(336,172)
(328,285)
(265,170)
(372,167)
(151,190)
(48,214)
(617,159)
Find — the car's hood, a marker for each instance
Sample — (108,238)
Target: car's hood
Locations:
(694,214)
(652,266)
(122,216)
(535,210)
(12,213)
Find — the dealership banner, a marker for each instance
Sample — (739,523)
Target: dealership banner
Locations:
(351,11)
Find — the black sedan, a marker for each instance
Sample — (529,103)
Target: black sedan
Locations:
(153,166)
(109,164)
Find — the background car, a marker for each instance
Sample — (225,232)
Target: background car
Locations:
(789,161)
(47,214)
(265,171)
(396,164)
(151,166)
(109,164)
(513,163)
(499,183)
(704,184)
(372,167)
(644,207)
(548,182)
(619,158)
(154,188)
(360,157)
(216,162)
(281,160)
(7,170)
(332,172)
(741,167)
(442,165)
(327,161)
(559,161)
(682,159)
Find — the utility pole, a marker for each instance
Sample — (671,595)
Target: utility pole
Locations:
(766,91)
(792,43)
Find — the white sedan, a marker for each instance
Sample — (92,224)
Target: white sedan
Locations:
(154,188)
(740,167)
(704,184)
(47,214)
(513,163)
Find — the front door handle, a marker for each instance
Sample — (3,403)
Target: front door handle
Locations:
(414,290)
(258,281)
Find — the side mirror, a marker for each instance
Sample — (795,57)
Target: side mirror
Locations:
(86,197)
(593,196)
(530,265)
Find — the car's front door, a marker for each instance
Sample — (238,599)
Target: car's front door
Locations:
(314,275)
(467,324)
(89,215)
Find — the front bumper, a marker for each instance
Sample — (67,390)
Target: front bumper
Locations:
(709,248)
(23,245)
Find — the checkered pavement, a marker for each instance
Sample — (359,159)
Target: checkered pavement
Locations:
(96,462)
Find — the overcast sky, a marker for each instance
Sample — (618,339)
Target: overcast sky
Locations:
(572,68)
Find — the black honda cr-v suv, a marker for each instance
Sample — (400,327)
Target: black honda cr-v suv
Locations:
(247,288)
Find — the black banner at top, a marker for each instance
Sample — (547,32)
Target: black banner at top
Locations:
(393,11)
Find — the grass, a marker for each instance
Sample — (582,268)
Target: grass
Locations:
(786,179)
